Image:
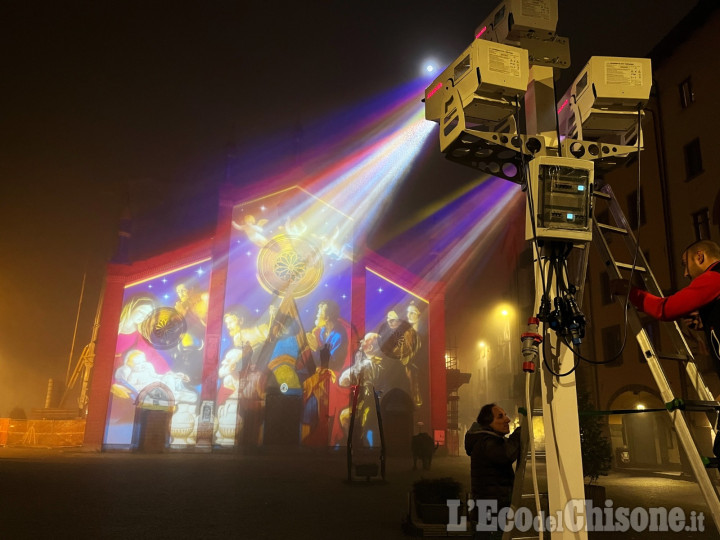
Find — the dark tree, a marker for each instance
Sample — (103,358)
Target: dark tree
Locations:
(594,445)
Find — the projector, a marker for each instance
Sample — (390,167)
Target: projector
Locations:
(602,104)
(528,24)
(479,90)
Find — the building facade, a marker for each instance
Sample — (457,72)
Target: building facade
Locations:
(675,201)
(259,335)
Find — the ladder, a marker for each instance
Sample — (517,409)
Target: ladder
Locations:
(523,493)
(680,352)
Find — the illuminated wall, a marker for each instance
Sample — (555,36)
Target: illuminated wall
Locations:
(158,355)
(396,320)
(288,353)
(288,279)
(288,295)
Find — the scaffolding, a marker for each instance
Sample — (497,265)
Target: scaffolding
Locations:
(453,400)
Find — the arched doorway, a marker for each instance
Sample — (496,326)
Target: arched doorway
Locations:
(154,408)
(647,438)
(396,410)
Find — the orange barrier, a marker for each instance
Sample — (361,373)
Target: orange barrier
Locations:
(45,433)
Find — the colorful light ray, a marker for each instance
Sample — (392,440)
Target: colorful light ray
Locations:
(316,145)
(395,284)
(357,173)
(368,185)
(444,239)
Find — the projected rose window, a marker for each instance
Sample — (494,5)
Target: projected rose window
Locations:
(289,266)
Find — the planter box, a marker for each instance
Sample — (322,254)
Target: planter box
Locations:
(433,513)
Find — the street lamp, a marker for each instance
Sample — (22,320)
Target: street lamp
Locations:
(504,370)
(483,367)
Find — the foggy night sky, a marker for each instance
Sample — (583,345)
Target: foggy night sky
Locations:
(112,103)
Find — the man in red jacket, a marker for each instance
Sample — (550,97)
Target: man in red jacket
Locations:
(699,301)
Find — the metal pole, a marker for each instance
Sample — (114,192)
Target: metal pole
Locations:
(77,319)
(48,393)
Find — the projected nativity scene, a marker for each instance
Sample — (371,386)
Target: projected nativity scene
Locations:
(261,334)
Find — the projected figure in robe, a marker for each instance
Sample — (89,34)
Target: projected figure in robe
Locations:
(368,373)
(282,365)
(399,344)
(332,331)
(316,420)
(417,366)
(192,305)
(187,356)
(290,361)
(242,378)
(329,335)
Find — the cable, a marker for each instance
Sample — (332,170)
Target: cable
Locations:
(530,202)
(637,245)
(566,319)
(556,374)
(560,267)
(547,364)
(546,280)
(581,357)
(531,442)
(557,119)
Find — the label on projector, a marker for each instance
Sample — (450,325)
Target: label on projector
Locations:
(539,9)
(623,73)
(504,61)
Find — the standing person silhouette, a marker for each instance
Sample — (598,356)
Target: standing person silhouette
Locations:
(492,455)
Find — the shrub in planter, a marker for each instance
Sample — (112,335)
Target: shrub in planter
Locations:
(595,448)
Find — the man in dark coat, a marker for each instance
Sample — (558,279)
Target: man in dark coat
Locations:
(491,457)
